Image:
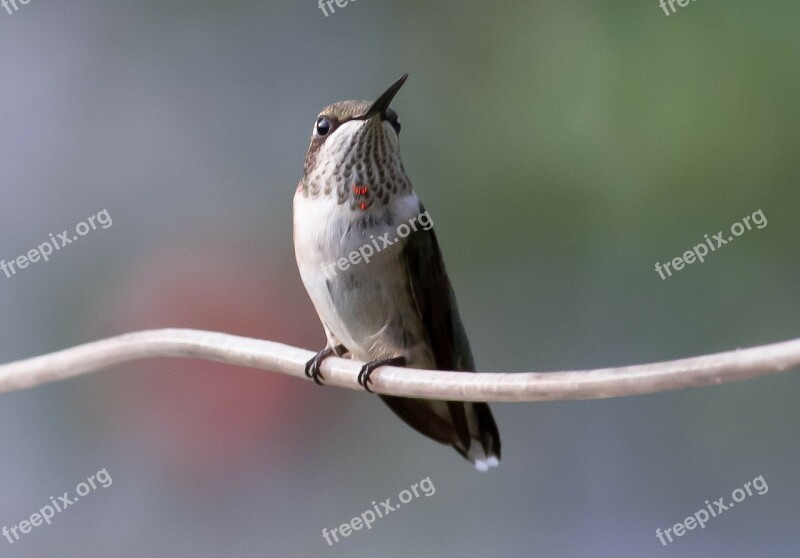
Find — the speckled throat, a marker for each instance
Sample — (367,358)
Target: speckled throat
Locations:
(359,164)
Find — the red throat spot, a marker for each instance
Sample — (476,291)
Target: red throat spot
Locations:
(361,191)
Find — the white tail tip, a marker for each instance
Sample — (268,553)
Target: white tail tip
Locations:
(484,465)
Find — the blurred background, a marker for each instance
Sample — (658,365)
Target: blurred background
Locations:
(562,149)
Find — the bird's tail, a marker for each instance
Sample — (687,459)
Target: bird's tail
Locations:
(468,427)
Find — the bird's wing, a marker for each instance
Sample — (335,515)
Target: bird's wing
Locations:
(470,427)
(435,301)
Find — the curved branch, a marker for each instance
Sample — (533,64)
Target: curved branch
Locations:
(601,383)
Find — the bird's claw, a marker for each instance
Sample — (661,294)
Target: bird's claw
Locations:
(313,366)
(370,367)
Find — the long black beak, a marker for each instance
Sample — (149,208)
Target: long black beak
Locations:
(382,103)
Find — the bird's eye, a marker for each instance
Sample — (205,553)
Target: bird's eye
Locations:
(323,126)
(396,125)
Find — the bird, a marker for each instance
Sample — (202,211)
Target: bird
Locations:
(370,262)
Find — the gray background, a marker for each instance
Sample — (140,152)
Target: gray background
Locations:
(561,149)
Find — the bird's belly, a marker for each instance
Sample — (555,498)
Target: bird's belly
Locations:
(366,305)
(374,310)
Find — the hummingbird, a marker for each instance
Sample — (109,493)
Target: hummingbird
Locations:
(391,304)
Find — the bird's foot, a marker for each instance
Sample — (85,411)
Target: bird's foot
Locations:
(370,367)
(313,366)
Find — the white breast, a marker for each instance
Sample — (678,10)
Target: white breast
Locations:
(370,314)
